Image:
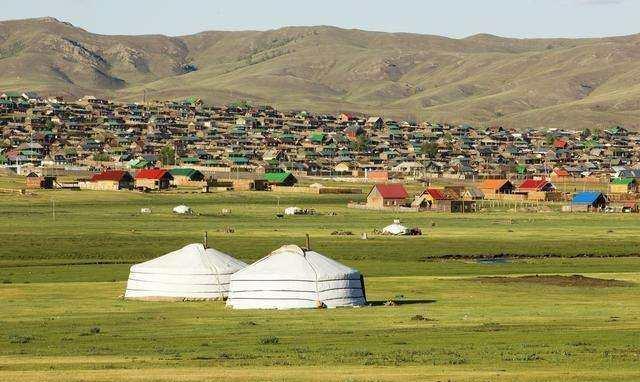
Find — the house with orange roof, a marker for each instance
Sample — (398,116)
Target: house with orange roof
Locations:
(496,186)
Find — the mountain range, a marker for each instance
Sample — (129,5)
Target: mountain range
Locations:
(481,79)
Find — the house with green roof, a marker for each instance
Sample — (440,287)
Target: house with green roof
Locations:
(189,160)
(184,176)
(623,186)
(139,163)
(317,137)
(280,178)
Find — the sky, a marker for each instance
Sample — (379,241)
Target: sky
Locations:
(453,18)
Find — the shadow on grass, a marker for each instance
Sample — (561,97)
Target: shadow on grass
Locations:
(402,302)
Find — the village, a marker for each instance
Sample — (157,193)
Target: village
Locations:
(99,144)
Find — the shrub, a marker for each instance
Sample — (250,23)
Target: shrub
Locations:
(420,317)
(269,340)
(17,339)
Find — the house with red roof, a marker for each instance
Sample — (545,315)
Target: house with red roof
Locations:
(387,195)
(347,117)
(111,180)
(560,144)
(532,185)
(153,179)
(537,189)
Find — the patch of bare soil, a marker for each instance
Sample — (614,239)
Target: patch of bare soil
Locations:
(557,280)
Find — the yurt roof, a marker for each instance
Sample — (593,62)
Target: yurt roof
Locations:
(192,259)
(291,262)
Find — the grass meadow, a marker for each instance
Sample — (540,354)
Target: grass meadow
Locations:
(62,275)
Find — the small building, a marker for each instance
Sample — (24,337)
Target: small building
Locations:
(111,180)
(560,173)
(374,123)
(623,186)
(153,179)
(443,200)
(377,175)
(471,193)
(496,186)
(280,178)
(588,201)
(537,189)
(187,177)
(387,195)
(35,181)
(249,184)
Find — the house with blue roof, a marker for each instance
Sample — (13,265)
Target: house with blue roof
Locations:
(588,201)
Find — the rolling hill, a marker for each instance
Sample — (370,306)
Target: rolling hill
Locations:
(481,79)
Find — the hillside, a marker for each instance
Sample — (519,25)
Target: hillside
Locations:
(480,79)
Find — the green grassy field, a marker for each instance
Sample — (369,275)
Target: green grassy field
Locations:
(62,318)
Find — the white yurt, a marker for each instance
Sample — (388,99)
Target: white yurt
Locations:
(292,210)
(192,272)
(395,229)
(182,209)
(291,277)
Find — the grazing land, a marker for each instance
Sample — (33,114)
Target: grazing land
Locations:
(63,318)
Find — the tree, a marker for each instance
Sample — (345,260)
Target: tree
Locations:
(168,155)
(430,149)
(549,139)
(101,157)
(361,144)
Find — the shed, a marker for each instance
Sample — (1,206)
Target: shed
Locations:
(35,181)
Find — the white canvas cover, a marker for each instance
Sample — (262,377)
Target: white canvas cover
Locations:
(182,209)
(192,272)
(395,229)
(291,277)
(292,210)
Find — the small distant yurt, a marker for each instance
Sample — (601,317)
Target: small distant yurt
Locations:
(193,272)
(292,210)
(395,229)
(291,277)
(182,209)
